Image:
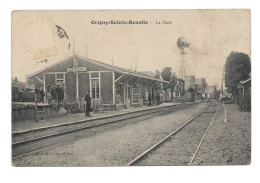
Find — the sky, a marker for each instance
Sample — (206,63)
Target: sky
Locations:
(212,34)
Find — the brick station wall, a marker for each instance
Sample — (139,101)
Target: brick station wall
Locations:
(106,87)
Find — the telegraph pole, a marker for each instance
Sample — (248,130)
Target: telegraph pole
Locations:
(76,73)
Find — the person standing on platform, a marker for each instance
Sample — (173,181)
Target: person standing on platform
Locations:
(158,98)
(150,99)
(59,93)
(53,93)
(42,94)
(88,104)
(37,92)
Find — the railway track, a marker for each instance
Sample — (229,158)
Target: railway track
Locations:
(142,156)
(35,140)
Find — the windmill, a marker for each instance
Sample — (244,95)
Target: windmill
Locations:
(182,44)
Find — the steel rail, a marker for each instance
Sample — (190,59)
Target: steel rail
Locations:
(92,126)
(32,140)
(196,152)
(153,147)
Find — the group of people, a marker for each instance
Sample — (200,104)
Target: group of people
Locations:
(150,99)
(39,94)
(55,92)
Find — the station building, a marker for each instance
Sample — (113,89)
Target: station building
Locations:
(113,87)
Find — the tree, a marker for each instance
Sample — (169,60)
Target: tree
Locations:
(180,86)
(218,92)
(191,90)
(237,68)
(166,75)
(158,84)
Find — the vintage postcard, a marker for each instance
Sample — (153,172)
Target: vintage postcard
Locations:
(131,87)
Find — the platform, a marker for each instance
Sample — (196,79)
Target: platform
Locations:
(18,126)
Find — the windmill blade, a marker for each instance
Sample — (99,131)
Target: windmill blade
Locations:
(182,43)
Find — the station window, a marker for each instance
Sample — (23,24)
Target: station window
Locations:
(60,78)
(95,88)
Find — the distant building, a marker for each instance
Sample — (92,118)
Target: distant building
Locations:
(210,92)
(200,85)
(189,82)
(244,95)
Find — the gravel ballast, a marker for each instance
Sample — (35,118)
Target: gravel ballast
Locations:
(111,148)
(227,143)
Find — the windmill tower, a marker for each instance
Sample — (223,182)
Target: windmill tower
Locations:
(182,44)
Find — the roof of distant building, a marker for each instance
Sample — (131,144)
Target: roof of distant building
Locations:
(198,81)
(209,89)
(148,73)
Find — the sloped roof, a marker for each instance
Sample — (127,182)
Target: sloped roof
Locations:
(198,81)
(115,68)
(148,73)
(209,89)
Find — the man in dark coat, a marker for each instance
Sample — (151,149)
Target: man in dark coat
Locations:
(59,93)
(53,92)
(150,99)
(37,92)
(42,95)
(88,103)
(158,98)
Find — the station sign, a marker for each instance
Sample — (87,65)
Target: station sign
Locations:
(76,69)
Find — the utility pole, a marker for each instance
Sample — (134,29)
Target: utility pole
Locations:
(76,73)
(112,60)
